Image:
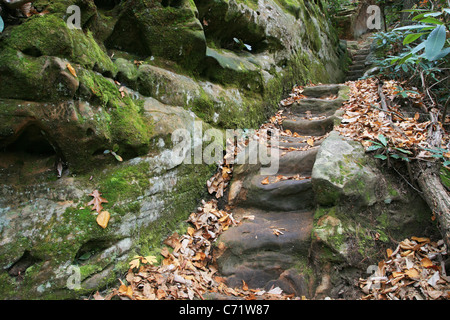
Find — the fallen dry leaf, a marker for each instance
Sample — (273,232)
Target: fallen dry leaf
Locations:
(97,201)
(244,286)
(103,219)
(72,70)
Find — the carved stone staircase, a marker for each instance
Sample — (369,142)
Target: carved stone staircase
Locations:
(359,52)
(271,246)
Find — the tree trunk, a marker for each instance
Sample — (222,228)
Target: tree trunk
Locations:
(435,195)
(405,16)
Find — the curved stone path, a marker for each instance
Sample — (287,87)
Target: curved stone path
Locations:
(271,246)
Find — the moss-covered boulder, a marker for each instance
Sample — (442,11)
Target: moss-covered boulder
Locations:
(79,131)
(49,35)
(343,172)
(226,67)
(165,30)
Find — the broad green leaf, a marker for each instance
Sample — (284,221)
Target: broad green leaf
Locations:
(426,14)
(441,54)
(118,158)
(432,20)
(446,163)
(417,48)
(414,26)
(374,147)
(403,150)
(447,10)
(2,24)
(382,139)
(435,42)
(380,156)
(433,14)
(412,37)
(402,60)
(414,10)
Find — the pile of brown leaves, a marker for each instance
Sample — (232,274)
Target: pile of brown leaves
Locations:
(365,119)
(184,272)
(295,95)
(413,271)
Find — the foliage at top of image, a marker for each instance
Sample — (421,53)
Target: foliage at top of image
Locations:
(417,49)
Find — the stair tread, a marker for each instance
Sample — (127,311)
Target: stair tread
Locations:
(258,232)
(259,250)
(312,127)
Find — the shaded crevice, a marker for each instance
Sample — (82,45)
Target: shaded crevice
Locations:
(92,248)
(18,269)
(30,152)
(34,141)
(106,4)
(172,3)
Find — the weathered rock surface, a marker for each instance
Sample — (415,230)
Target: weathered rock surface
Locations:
(141,69)
(342,171)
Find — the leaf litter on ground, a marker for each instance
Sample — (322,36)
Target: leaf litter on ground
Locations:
(365,119)
(415,270)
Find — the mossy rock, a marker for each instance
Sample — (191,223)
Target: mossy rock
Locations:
(166,86)
(342,171)
(49,35)
(147,28)
(226,67)
(64,253)
(43,78)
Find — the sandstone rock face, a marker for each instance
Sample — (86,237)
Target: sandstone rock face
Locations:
(136,71)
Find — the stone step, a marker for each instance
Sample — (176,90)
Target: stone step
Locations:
(352,78)
(357,67)
(285,195)
(288,142)
(359,57)
(359,51)
(255,254)
(322,90)
(359,73)
(316,106)
(310,127)
(297,162)
(292,162)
